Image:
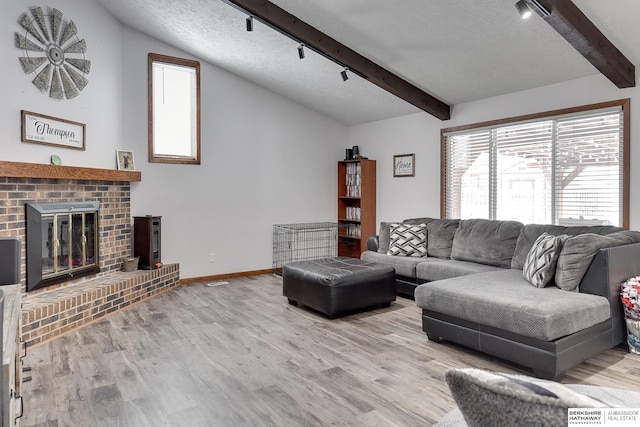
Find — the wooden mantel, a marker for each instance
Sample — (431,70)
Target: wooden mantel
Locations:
(36,170)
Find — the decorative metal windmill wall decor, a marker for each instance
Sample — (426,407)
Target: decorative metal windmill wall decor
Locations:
(53,53)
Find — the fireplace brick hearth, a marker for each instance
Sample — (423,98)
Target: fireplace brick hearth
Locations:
(57,309)
(50,314)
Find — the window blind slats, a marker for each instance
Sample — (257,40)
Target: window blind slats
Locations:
(562,170)
(469,171)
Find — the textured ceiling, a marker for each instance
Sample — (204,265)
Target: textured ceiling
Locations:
(457,51)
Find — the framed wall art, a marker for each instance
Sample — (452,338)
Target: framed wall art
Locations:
(125,160)
(41,129)
(404,165)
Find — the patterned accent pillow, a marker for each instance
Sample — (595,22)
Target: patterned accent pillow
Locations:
(540,263)
(493,399)
(408,240)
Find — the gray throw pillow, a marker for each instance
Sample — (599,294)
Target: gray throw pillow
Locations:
(408,240)
(384,236)
(540,263)
(578,252)
(494,399)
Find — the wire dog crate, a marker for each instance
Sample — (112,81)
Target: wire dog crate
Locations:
(299,242)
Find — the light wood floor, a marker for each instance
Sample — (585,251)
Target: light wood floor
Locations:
(239,354)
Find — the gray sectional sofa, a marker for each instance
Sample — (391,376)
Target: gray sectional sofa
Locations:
(472,290)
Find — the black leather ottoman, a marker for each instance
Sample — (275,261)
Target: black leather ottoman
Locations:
(337,286)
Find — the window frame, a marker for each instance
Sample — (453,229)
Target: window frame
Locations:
(624,104)
(172,60)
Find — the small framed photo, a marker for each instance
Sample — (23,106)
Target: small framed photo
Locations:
(404,165)
(125,160)
(48,130)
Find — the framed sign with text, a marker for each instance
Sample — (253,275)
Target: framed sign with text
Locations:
(404,165)
(41,129)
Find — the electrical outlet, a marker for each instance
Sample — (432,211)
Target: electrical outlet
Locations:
(212,257)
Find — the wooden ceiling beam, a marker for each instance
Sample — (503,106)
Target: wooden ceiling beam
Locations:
(283,21)
(569,21)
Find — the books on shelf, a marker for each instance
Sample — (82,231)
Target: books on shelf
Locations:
(353,213)
(354,179)
(353,191)
(352,230)
(354,168)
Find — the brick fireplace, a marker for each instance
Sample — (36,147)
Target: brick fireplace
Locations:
(53,310)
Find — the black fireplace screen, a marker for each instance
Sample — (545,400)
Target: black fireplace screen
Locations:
(62,242)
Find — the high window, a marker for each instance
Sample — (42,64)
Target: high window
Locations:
(567,167)
(174,110)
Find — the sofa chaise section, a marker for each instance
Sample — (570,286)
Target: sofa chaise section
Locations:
(548,330)
(504,300)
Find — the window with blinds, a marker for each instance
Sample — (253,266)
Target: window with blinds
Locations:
(567,167)
(174,110)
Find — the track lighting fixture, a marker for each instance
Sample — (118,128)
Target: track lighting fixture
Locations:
(301,47)
(526,8)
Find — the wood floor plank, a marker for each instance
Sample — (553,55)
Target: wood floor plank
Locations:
(240,355)
(127,375)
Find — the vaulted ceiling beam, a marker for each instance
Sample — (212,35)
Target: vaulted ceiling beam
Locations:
(569,21)
(316,40)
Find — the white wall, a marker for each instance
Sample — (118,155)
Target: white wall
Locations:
(265,159)
(400,198)
(403,197)
(97,106)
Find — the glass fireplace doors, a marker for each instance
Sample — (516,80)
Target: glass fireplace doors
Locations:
(62,242)
(69,242)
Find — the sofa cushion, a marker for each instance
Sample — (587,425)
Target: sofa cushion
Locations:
(405,266)
(503,299)
(530,233)
(540,263)
(408,240)
(486,241)
(578,252)
(496,399)
(432,269)
(415,221)
(440,234)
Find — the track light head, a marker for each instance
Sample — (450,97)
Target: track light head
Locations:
(527,7)
(301,51)
(524,9)
(344,75)
(250,23)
